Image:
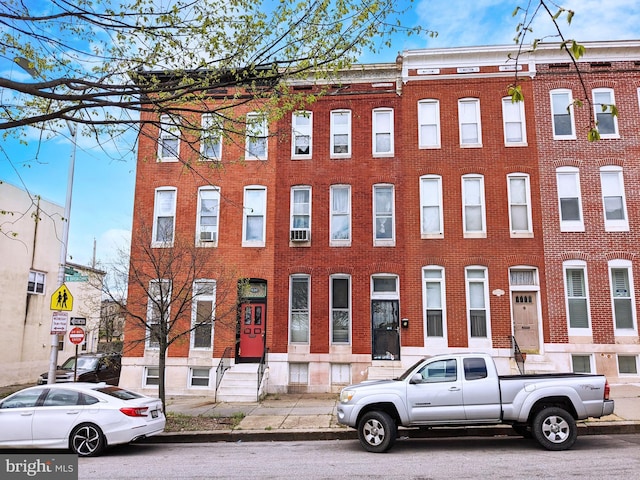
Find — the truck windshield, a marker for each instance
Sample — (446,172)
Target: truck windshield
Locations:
(84,363)
(410,369)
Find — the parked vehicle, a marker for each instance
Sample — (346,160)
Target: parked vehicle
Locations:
(465,389)
(92,367)
(83,417)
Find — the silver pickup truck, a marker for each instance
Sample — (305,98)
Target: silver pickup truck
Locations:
(465,389)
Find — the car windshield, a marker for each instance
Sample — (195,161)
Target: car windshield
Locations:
(118,392)
(410,369)
(84,363)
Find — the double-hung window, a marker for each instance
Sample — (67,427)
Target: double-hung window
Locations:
(299,308)
(383,215)
(622,294)
(613,199)
(383,132)
(340,134)
(477,302)
(603,105)
(36,282)
(340,296)
(158,311)
(208,214)
(569,199)
(169,140)
(434,302)
(257,135)
(431,221)
(575,276)
(211,137)
(562,115)
(340,226)
(519,204)
(469,118)
(164,216)
(301,134)
(255,212)
(473,214)
(515,133)
(300,214)
(429,123)
(202,313)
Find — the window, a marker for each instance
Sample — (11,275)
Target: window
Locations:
(474,368)
(257,134)
(340,227)
(158,305)
(622,295)
(300,213)
(203,313)
(469,118)
(576,295)
(603,105)
(569,199)
(199,377)
(477,302)
(613,199)
(298,373)
(169,141)
(383,215)
(473,206)
(340,134)
(434,302)
(299,301)
(581,363)
(439,371)
(151,376)
(301,134)
(207,221)
(340,296)
(429,124)
(255,208)
(514,126)
(383,132)
(562,114)
(628,364)
(431,221)
(340,374)
(164,214)
(519,204)
(36,282)
(211,137)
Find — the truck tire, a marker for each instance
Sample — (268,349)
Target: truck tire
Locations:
(555,429)
(377,432)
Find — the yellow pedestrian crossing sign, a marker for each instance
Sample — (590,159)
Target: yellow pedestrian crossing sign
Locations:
(62,299)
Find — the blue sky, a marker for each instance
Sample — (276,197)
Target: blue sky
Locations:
(103,185)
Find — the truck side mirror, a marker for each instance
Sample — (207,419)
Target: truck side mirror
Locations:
(416,378)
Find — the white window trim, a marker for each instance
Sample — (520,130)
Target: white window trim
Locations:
(618,365)
(306,130)
(199,241)
(261,129)
(478,342)
(615,225)
(340,242)
(150,306)
(290,309)
(169,127)
(37,275)
(210,130)
(190,379)
(529,231)
(597,109)
(376,131)
(623,264)
(291,210)
(146,377)
(154,242)
(523,125)
(194,312)
(387,242)
(246,214)
(333,132)
(476,102)
(572,136)
(483,232)
(423,204)
(572,265)
(350,307)
(592,365)
(570,225)
(431,340)
(421,141)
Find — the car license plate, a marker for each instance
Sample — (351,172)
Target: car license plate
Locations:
(154,413)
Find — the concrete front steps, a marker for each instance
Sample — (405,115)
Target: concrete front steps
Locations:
(239,384)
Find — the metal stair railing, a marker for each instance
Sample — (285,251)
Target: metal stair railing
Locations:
(223,366)
(517,355)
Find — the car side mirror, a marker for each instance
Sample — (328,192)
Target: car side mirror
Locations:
(416,378)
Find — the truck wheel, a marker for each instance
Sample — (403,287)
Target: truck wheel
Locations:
(555,429)
(377,432)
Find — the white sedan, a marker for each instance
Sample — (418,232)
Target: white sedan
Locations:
(84,417)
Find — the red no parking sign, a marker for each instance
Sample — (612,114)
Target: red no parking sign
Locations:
(76,335)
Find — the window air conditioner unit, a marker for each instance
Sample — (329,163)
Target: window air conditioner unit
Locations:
(300,234)
(208,236)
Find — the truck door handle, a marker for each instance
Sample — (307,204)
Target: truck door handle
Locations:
(454,389)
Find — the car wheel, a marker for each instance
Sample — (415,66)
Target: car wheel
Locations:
(555,429)
(377,432)
(87,440)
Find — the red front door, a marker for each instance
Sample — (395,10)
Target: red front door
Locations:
(252,330)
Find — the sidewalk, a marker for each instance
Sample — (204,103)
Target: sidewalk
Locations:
(296,417)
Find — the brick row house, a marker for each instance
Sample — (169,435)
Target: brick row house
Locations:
(413,210)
